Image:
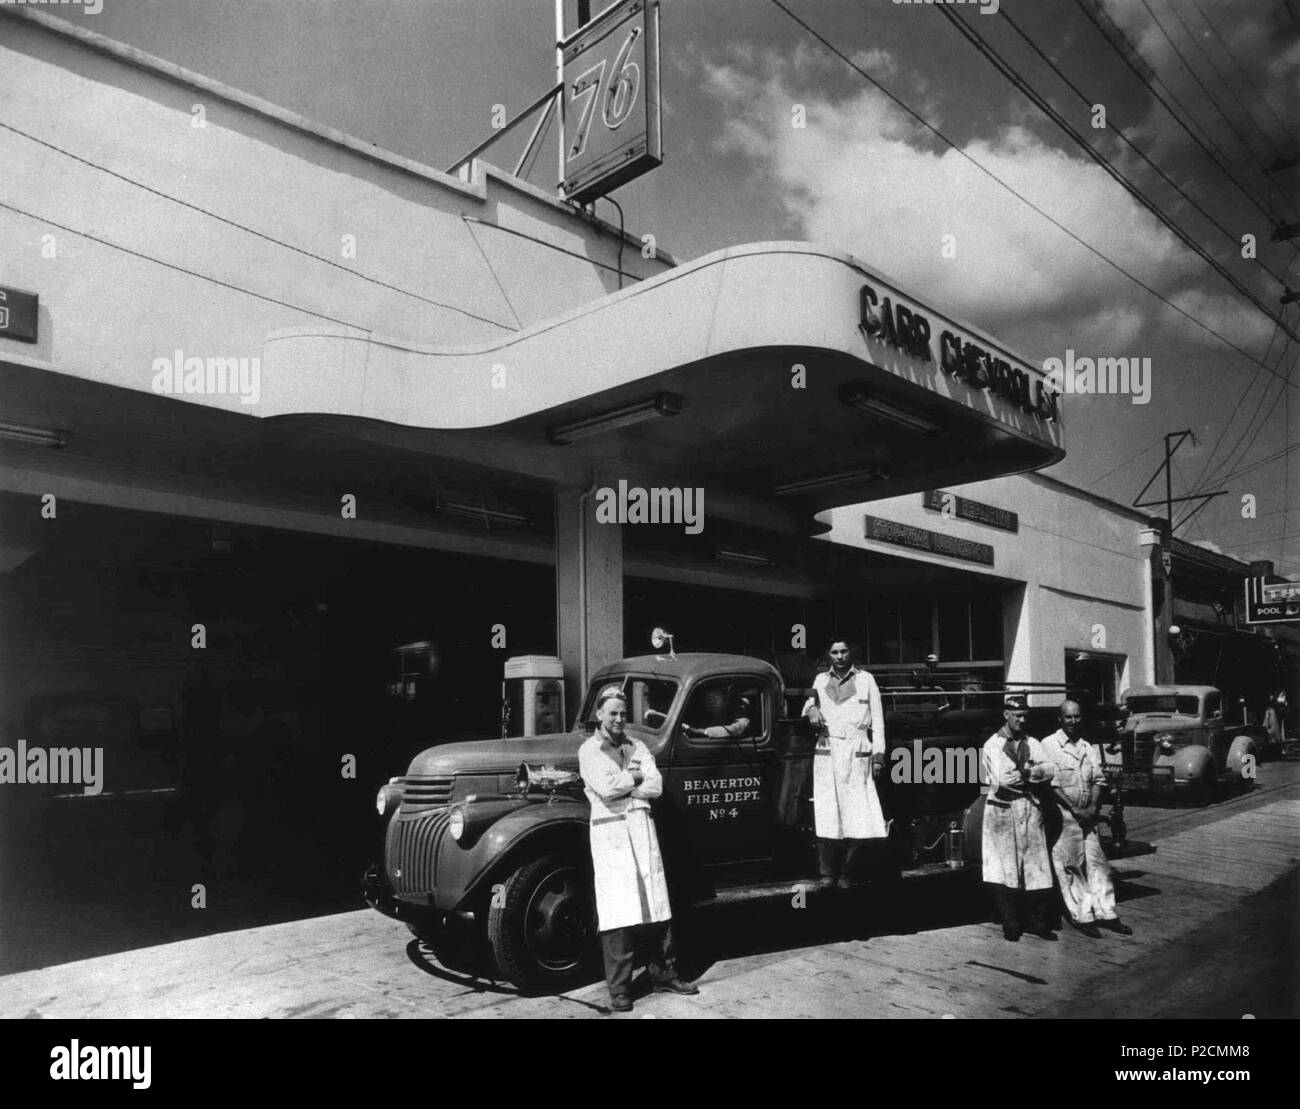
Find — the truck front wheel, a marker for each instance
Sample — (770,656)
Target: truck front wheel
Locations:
(542,927)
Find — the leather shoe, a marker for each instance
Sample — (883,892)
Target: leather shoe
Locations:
(1118,926)
(621,1004)
(1011,934)
(1087,928)
(676,985)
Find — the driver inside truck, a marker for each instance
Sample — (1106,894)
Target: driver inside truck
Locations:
(722,713)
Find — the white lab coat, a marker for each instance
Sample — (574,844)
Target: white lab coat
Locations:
(630,885)
(845,802)
(1082,870)
(1014,840)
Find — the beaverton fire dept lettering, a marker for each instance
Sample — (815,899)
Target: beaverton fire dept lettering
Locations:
(722,791)
(909,330)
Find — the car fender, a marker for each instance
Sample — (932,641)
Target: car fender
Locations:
(1243,747)
(973,826)
(466,868)
(1191,764)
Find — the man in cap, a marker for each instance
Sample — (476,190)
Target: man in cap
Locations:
(850,754)
(1016,861)
(1081,868)
(632,908)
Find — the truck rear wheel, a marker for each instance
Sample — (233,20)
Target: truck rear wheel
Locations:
(542,926)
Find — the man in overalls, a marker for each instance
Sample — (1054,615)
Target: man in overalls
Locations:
(632,909)
(1016,862)
(846,709)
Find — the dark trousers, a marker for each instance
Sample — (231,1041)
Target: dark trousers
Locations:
(838,858)
(620,946)
(1023,909)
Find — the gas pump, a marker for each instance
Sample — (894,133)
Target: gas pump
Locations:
(532,697)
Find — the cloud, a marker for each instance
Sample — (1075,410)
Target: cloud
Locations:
(864,176)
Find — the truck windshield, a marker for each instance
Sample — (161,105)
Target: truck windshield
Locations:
(648,702)
(1164,702)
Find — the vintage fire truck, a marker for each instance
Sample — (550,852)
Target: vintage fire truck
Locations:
(486,852)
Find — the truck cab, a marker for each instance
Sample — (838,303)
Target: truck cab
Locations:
(486,850)
(1173,739)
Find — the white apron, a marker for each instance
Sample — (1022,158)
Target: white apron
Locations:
(845,802)
(1082,870)
(1014,840)
(629,872)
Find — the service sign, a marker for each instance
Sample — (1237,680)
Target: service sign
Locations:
(17,315)
(611,100)
(1272,602)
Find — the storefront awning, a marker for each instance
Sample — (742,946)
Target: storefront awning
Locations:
(776,370)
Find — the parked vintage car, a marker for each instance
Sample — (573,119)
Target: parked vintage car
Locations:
(1174,740)
(486,854)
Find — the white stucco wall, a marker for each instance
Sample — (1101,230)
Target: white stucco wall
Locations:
(143,233)
(1078,557)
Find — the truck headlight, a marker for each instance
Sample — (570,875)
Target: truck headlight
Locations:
(388,796)
(456,823)
(1166,743)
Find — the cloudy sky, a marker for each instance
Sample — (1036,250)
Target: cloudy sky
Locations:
(421,77)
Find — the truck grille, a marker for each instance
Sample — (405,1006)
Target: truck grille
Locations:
(1144,746)
(412,855)
(420,794)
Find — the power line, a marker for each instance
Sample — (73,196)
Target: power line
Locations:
(1241,397)
(1240,68)
(1003,67)
(1196,77)
(180,269)
(1014,192)
(244,227)
(1222,80)
(1215,156)
(1132,146)
(1228,461)
(1128,461)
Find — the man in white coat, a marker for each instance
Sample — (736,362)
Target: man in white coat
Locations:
(846,709)
(620,779)
(1014,844)
(1081,868)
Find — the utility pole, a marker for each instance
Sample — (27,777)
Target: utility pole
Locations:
(1162,647)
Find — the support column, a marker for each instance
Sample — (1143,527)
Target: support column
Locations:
(588,592)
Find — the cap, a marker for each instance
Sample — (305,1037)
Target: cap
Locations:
(1014,701)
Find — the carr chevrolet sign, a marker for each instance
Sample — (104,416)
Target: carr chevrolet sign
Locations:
(611,100)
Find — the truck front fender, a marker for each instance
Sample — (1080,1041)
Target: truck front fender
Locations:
(1243,756)
(466,868)
(1192,765)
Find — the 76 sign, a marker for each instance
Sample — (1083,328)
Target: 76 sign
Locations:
(611,100)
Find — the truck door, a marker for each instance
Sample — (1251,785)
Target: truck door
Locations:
(721,776)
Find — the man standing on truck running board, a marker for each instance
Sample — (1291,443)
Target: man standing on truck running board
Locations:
(849,756)
(1015,858)
(620,779)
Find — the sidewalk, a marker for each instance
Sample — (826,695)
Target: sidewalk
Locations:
(363,965)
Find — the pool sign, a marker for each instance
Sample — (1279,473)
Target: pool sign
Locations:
(17,315)
(611,100)
(1272,602)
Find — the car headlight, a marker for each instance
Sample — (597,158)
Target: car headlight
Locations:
(388,796)
(456,823)
(1165,742)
